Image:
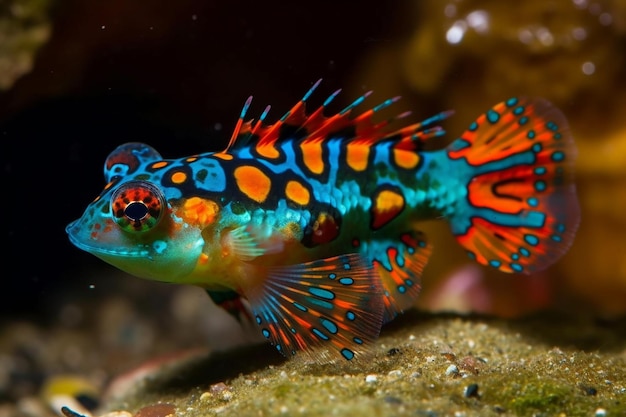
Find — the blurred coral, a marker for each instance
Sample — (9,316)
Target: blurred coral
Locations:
(469,54)
(24,27)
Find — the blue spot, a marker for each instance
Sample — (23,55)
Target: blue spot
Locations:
(558,156)
(518,110)
(258,320)
(531,240)
(410,250)
(350,315)
(347,353)
(515,257)
(346,266)
(557,136)
(472,128)
(293,330)
(400,260)
(524,252)
(540,170)
(329,325)
(266,333)
(332,275)
(279,347)
(511,102)
(552,126)
(346,281)
(516,267)
(319,334)
(459,144)
(357,340)
(322,293)
(493,116)
(533,202)
(471,255)
(300,306)
(408,282)
(522,120)
(537,147)
(421,244)
(401,289)
(560,227)
(540,185)
(321,303)
(531,134)
(495,263)
(159,246)
(555,238)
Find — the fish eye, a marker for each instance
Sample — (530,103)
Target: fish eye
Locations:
(137,206)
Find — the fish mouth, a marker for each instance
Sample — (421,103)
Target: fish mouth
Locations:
(80,239)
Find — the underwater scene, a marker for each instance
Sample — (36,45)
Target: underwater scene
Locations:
(407,208)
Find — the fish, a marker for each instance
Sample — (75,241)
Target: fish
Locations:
(309,226)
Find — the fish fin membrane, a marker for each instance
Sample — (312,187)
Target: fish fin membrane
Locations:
(400,264)
(328,308)
(521,211)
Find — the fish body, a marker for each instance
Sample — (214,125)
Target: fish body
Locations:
(314,220)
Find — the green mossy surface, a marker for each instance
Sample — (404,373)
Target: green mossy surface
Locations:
(421,366)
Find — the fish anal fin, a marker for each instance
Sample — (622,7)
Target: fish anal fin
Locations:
(326,307)
(400,264)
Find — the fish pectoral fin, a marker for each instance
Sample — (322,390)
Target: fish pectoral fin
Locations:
(248,243)
(334,304)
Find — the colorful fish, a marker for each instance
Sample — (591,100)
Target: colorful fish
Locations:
(313,219)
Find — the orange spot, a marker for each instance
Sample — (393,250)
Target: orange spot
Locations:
(224,156)
(203,259)
(405,159)
(179,177)
(159,164)
(387,205)
(297,193)
(312,156)
(357,155)
(199,212)
(268,151)
(253,182)
(191,159)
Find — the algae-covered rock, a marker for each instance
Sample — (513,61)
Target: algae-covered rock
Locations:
(422,365)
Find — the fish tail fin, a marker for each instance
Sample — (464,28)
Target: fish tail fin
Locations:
(520,212)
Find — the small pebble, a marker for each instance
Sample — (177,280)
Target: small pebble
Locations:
(393,351)
(452,370)
(471,391)
(371,378)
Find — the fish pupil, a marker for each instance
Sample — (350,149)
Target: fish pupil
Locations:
(136,211)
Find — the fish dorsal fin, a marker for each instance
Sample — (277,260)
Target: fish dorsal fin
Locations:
(327,308)
(347,125)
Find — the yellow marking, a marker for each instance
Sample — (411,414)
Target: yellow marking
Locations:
(312,156)
(191,159)
(389,200)
(297,193)
(253,182)
(357,155)
(268,151)
(406,159)
(159,164)
(199,212)
(179,177)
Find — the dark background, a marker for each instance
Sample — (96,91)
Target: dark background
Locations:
(172,74)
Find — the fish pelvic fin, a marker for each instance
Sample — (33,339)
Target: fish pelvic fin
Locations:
(520,212)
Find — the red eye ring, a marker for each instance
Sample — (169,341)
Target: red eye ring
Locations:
(137,206)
